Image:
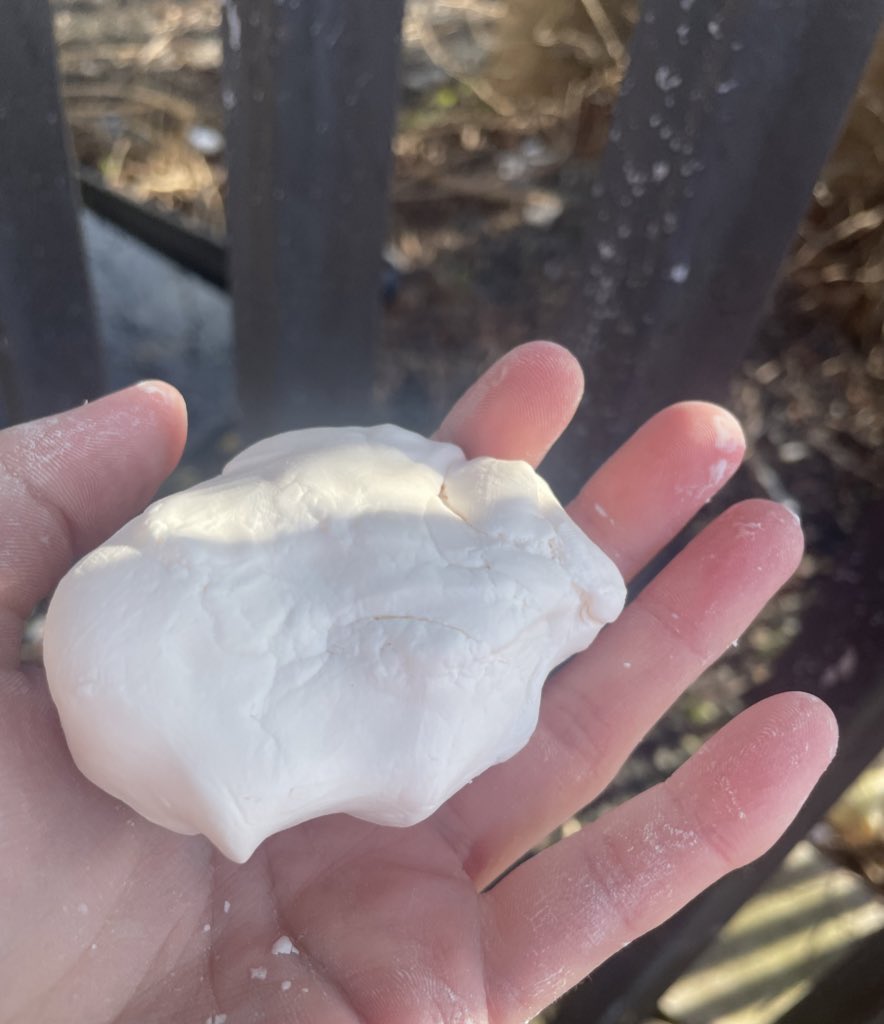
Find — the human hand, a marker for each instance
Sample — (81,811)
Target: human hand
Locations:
(105,917)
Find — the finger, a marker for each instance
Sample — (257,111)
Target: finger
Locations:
(657,482)
(68,481)
(600,704)
(519,407)
(558,916)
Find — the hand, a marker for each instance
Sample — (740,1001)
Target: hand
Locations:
(104,917)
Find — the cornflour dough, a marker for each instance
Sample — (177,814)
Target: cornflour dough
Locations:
(351,620)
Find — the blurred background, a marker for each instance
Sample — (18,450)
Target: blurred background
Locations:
(506,108)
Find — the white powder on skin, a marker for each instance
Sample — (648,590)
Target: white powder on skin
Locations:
(725,438)
(603,512)
(150,388)
(717,472)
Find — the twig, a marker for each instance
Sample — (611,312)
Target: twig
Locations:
(154,99)
(116,161)
(491,9)
(861,223)
(607,33)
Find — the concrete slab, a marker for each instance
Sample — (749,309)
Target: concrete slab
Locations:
(157,320)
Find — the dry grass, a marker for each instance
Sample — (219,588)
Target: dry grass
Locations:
(539,58)
(551,55)
(136,79)
(538,67)
(531,86)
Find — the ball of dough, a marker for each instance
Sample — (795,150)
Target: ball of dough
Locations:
(347,620)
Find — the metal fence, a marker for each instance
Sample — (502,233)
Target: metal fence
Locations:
(725,118)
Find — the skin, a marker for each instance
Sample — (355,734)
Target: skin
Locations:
(104,917)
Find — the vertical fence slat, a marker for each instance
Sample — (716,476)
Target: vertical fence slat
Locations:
(726,116)
(47,324)
(311,94)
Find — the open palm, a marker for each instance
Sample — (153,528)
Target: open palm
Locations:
(104,917)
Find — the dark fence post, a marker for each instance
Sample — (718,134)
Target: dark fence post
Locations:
(47,325)
(311,94)
(726,116)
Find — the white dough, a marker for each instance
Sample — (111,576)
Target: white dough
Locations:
(355,620)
